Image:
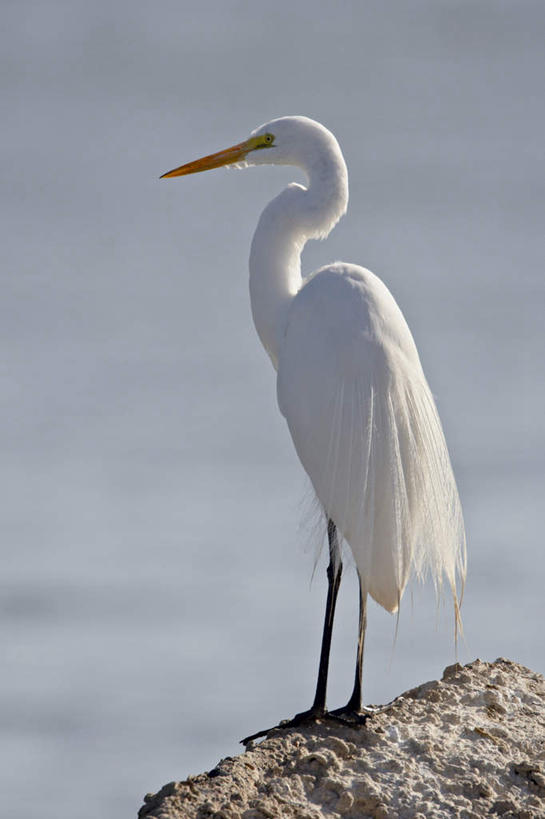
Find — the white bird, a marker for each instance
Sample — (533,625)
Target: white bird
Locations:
(351,387)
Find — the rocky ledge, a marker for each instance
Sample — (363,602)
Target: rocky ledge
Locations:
(469,745)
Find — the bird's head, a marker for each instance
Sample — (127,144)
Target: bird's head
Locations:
(283,141)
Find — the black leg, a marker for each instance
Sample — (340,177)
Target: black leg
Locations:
(355,702)
(354,712)
(334,573)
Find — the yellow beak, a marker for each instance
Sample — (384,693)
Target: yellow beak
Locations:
(229,156)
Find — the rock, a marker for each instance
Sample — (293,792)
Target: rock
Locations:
(470,745)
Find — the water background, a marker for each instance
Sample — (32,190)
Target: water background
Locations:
(156,602)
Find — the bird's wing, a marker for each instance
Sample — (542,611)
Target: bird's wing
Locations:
(366,429)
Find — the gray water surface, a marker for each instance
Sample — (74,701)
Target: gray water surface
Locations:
(155,587)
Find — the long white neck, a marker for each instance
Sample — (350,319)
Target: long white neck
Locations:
(293,217)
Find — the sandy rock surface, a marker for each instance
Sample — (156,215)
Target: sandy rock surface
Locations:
(470,745)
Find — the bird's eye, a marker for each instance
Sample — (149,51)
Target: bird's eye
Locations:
(262,141)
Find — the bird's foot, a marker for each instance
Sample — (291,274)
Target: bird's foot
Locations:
(349,715)
(358,715)
(312,715)
(352,716)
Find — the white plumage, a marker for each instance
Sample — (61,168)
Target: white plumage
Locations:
(365,426)
(351,387)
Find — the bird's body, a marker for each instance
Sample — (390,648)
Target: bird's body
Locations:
(363,421)
(350,385)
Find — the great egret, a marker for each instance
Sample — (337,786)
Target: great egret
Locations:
(352,390)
